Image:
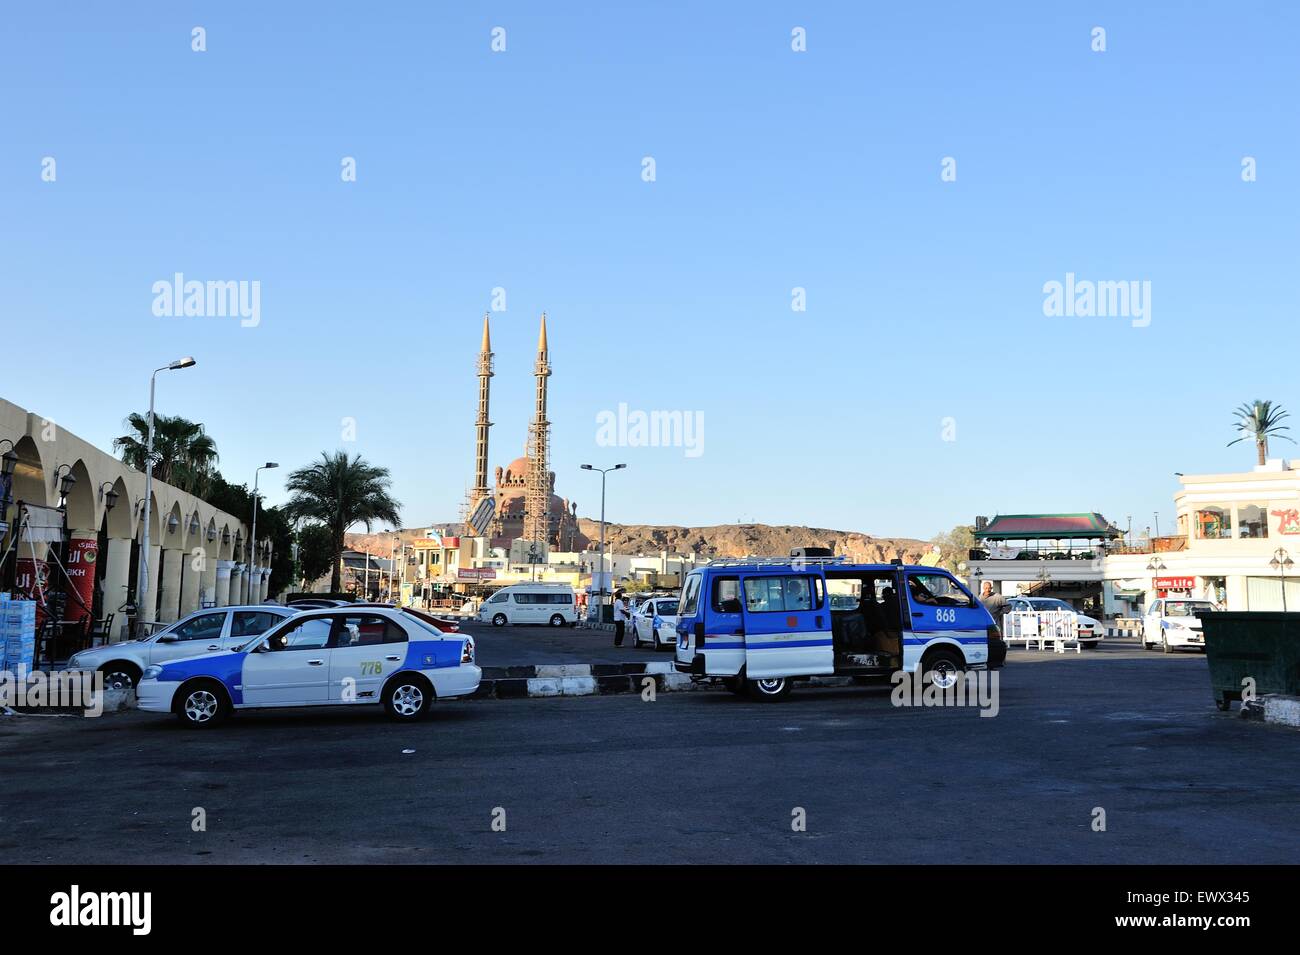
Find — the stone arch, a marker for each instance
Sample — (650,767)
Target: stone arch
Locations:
(225,541)
(120,520)
(171,534)
(82,509)
(30,481)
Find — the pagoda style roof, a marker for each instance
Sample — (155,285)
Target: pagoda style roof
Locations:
(1048,527)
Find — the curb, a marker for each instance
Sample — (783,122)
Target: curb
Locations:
(1274,708)
(579,679)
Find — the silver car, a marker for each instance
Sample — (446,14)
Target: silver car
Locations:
(221,628)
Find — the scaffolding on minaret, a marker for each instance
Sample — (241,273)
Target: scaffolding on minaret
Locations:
(537,494)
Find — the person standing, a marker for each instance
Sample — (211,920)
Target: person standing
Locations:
(993,602)
(622,613)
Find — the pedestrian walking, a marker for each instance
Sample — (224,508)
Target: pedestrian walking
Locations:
(622,613)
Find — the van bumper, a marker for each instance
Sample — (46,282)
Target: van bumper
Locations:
(997,653)
(695,667)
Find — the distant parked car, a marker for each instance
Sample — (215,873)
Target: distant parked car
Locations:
(1171,623)
(445,624)
(1090,629)
(650,617)
(205,631)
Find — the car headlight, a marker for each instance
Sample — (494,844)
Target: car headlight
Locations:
(74,662)
(151,673)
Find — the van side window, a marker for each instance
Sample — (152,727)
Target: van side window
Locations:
(937,590)
(726,595)
(692,596)
(768,594)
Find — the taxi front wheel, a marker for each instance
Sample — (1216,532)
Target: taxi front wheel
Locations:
(407,699)
(202,705)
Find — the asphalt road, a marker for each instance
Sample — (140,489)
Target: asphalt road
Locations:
(691,777)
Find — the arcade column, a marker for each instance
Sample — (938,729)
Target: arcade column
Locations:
(191,577)
(170,584)
(117,582)
(148,606)
(83,555)
(223,582)
(238,584)
(208,582)
(266,584)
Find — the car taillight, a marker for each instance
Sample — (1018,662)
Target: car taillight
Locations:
(467,653)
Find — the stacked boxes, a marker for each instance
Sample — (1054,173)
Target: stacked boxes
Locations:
(17,633)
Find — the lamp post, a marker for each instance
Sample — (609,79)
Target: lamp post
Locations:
(603,472)
(1282,562)
(142,580)
(252,548)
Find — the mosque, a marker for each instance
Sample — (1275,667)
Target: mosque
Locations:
(525,508)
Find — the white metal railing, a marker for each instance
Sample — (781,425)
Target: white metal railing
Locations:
(1042,627)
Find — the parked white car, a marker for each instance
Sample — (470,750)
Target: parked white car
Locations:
(1090,630)
(530,603)
(204,631)
(1171,623)
(650,618)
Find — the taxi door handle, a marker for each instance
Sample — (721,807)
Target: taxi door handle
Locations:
(214,646)
(917,613)
(314,663)
(394,657)
(740,631)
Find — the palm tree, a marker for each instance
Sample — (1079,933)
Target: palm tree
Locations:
(339,491)
(1259,421)
(185,456)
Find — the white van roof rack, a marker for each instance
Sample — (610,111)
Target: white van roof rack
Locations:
(774,561)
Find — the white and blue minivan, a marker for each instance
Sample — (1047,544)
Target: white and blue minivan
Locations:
(759,624)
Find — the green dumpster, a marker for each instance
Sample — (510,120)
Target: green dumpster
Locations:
(1262,646)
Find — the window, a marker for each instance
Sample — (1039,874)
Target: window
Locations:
(1252,520)
(691,595)
(936,590)
(365,630)
(845,594)
(1213,523)
(206,626)
(498,597)
(769,594)
(726,595)
(1187,608)
(666,608)
(310,634)
(249,623)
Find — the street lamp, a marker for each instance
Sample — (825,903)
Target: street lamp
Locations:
(142,579)
(65,482)
(603,472)
(252,550)
(109,497)
(1282,562)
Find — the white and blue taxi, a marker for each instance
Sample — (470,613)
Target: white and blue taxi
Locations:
(333,656)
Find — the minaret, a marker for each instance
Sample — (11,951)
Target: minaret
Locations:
(537,498)
(481,423)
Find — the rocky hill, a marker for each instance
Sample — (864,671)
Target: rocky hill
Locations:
(740,540)
(718,540)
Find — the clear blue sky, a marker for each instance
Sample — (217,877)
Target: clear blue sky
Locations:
(775,169)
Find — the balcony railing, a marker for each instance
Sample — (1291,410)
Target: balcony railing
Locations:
(1159,545)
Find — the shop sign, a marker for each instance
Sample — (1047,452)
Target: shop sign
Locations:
(1174,583)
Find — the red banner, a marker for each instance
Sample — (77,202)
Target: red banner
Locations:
(82,558)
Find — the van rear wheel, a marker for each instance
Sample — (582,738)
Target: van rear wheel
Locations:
(770,690)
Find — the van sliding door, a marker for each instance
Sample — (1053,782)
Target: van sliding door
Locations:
(787,622)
